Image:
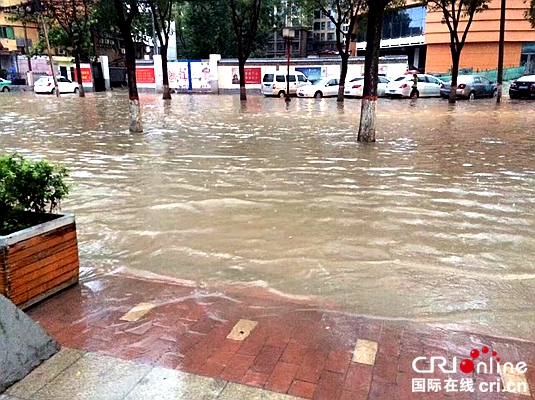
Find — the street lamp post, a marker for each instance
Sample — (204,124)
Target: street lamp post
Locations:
(288,35)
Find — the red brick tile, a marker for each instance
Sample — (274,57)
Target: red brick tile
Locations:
(294,353)
(267,359)
(347,395)
(359,378)
(385,369)
(237,367)
(170,360)
(281,378)
(370,331)
(210,368)
(226,352)
(281,337)
(252,345)
(383,391)
(302,389)
(204,325)
(329,386)
(253,378)
(311,368)
(338,361)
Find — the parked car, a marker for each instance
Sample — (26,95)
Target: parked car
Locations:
(428,86)
(470,87)
(355,87)
(4,85)
(45,84)
(325,87)
(275,84)
(523,87)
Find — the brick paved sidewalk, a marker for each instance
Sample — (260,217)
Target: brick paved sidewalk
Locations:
(293,347)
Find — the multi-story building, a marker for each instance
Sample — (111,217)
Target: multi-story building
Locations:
(301,45)
(421,34)
(15,37)
(324,32)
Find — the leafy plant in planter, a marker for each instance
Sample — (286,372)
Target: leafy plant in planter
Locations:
(35,186)
(38,249)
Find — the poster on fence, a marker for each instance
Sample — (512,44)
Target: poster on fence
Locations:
(86,75)
(178,75)
(145,75)
(200,75)
(313,73)
(252,75)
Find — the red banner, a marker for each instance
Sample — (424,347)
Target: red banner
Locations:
(253,75)
(145,75)
(86,75)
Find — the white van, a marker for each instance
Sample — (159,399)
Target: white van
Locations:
(275,84)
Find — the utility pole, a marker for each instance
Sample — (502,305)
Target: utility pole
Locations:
(49,51)
(500,52)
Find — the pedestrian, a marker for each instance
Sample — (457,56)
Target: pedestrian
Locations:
(414,92)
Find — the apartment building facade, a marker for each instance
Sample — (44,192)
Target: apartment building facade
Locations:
(15,37)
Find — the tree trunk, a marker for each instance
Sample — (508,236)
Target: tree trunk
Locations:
(81,91)
(49,51)
(343,75)
(166,90)
(241,67)
(455,56)
(371,71)
(136,124)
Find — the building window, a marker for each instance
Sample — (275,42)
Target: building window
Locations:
(323,26)
(6,32)
(330,37)
(331,25)
(317,14)
(316,26)
(317,37)
(402,23)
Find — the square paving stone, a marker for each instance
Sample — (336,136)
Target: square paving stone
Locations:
(44,373)
(233,391)
(94,377)
(167,384)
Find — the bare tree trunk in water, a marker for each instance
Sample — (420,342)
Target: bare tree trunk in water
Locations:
(455,57)
(49,51)
(343,75)
(371,71)
(241,67)
(136,123)
(81,91)
(166,90)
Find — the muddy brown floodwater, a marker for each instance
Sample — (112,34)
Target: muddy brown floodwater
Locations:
(435,222)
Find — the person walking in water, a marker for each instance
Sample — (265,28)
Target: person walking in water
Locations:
(414,92)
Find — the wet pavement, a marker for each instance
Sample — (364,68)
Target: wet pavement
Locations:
(433,223)
(74,374)
(259,340)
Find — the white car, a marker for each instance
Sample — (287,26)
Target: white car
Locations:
(45,84)
(355,87)
(325,87)
(428,86)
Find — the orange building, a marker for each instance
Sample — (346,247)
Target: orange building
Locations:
(481,49)
(420,34)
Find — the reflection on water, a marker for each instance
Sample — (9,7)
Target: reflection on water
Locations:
(434,222)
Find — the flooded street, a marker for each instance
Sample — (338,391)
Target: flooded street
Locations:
(435,222)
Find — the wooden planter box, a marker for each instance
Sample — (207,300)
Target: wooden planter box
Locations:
(39,261)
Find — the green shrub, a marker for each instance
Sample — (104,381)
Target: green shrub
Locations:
(35,186)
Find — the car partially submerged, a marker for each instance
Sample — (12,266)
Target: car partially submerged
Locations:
(4,85)
(523,87)
(470,87)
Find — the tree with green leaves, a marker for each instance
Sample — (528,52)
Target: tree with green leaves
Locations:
(199,42)
(374,30)
(342,13)
(246,19)
(454,12)
(74,17)
(162,12)
(530,12)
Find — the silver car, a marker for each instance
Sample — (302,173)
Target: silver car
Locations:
(470,87)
